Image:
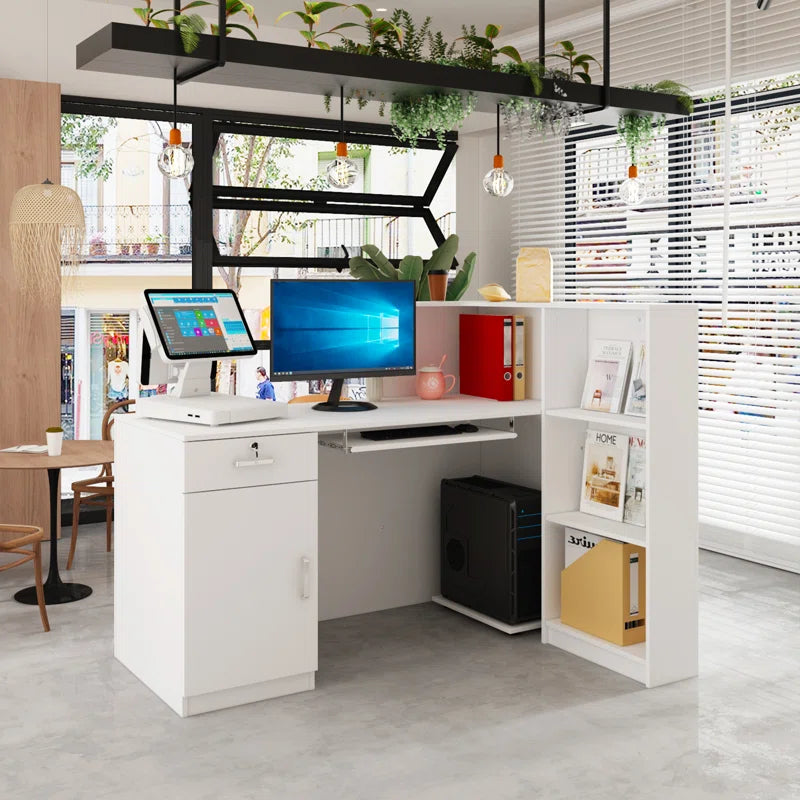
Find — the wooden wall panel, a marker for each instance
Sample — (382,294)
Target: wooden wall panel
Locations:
(30,339)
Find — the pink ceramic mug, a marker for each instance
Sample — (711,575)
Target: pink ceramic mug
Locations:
(431,383)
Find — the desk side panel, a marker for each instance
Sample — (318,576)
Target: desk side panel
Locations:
(149,560)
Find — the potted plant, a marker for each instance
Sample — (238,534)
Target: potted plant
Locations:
(373,265)
(153,244)
(136,249)
(124,249)
(185,249)
(97,245)
(55,440)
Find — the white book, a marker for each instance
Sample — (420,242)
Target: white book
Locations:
(606,376)
(637,389)
(635,494)
(605,461)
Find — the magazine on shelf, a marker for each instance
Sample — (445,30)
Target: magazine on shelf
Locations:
(635,494)
(637,389)
(605,461)
(609,363)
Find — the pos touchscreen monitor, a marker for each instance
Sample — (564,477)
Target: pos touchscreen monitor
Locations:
(192,324)
(342,329)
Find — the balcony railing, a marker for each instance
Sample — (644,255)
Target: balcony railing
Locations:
(138,232)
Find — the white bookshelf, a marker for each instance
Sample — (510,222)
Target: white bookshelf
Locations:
(548,454)
(669,333)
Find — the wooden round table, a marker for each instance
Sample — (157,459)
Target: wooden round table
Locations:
(86,453)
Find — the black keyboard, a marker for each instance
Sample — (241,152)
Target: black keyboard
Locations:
(408,433)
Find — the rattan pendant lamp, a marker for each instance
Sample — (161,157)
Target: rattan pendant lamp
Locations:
(46,224)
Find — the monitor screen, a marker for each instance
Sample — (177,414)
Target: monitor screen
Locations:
(194,324)
(338,329)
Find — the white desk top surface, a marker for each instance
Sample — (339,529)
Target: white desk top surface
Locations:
(396,413)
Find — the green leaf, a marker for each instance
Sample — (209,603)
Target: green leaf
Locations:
(307,35)
(345,25)
(511,52)
(288,14)
(493,31)
(322,45)
(482,42)
(318,8)
(566,45)
(584,76)
(196,4)
(460,284)
(142,13)
(242,28)
(160,23)
(410,269)
(442,257)
(383,265)
(365,10)
(362,270)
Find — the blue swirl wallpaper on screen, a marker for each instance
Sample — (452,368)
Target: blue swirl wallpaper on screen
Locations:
(346,328)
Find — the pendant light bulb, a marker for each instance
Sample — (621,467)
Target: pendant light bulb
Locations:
(631,190)
(342,171)
(497,182)
(175,160)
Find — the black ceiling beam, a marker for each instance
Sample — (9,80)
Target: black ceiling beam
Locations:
(148,52)
(435,182)
(222,194)
(315,207)
(384,139)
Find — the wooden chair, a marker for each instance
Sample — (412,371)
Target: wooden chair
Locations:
(97,491)
(15,539)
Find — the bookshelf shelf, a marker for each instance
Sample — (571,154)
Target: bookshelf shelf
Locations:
(630,661)
(611,529)
(622,421)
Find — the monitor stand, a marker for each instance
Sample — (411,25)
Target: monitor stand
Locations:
(335,403)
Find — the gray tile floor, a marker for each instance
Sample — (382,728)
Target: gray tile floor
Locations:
(415,703)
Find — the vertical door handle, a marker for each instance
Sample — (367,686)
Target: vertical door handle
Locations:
(306,568)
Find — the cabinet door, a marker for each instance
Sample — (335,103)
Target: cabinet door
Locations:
(251,585)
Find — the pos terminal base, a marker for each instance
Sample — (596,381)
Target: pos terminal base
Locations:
(209,409)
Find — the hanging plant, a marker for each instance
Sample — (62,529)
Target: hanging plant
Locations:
(415,117)
(530,117)
(670,87)
(637,131)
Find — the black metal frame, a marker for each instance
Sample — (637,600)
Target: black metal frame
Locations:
(206,197)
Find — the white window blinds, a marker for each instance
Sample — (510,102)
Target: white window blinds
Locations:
(673,247)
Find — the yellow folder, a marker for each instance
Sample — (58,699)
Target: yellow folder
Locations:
(603,592)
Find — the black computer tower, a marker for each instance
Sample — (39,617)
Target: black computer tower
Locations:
(491,547)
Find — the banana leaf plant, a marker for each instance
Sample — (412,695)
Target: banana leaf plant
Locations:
(373,265)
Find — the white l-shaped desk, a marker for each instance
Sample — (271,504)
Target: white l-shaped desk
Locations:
(233,542)
(216,554)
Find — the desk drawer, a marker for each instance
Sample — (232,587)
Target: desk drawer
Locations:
(231,463)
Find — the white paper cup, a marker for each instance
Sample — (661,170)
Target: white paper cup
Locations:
(54,442)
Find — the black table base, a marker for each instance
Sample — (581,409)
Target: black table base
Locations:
(55,590)
(54,594)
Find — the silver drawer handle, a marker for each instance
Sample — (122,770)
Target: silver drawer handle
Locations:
(254,462)
(306,562)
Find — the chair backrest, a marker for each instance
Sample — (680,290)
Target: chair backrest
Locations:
(108,419)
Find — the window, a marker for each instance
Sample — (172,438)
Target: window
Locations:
(670,249)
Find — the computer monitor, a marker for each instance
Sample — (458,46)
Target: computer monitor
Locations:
(342,329)
(192,324)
